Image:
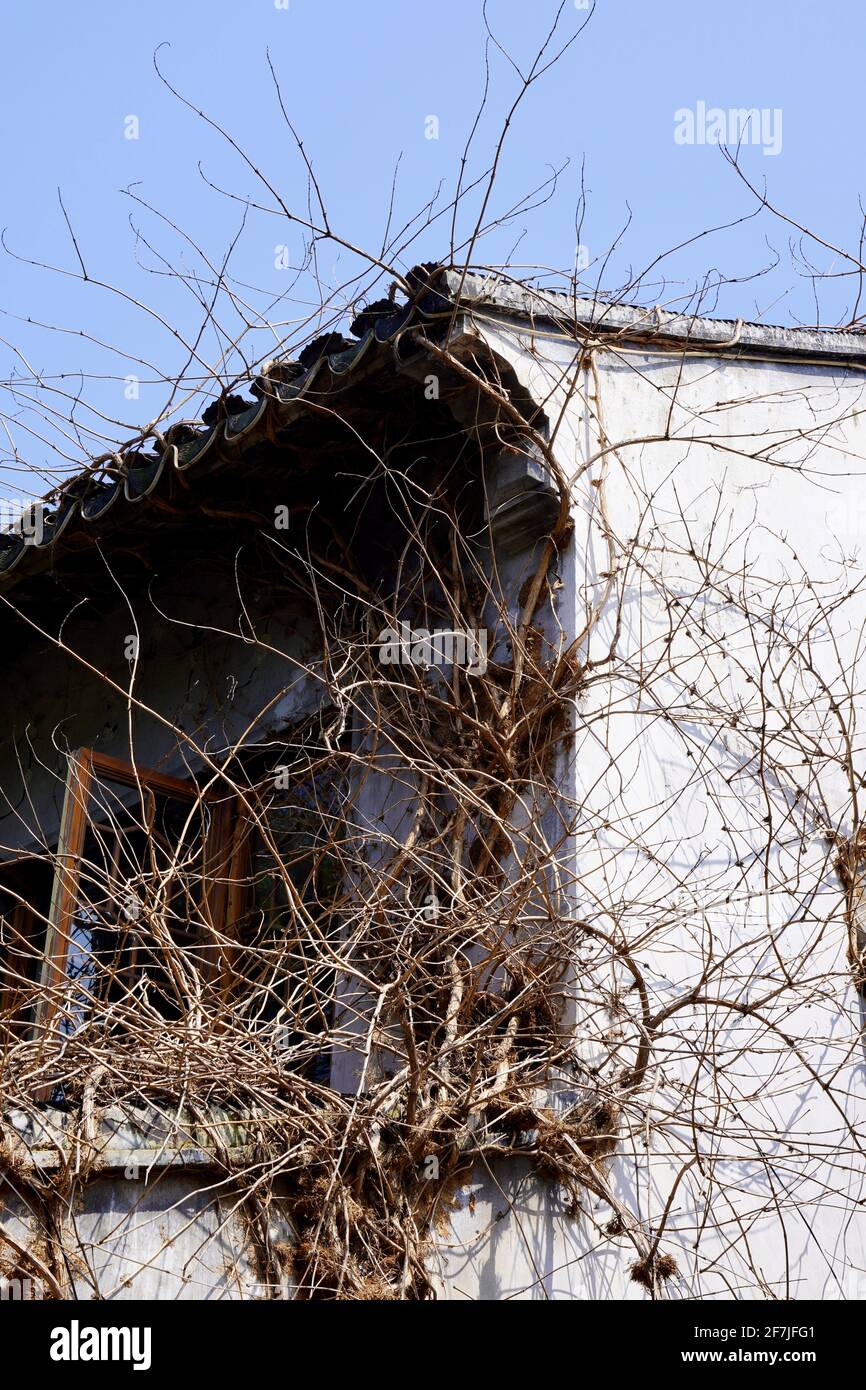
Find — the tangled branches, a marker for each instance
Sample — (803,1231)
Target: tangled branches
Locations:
(464,782)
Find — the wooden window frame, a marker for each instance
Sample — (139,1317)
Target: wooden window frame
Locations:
(85,768)
(226,863)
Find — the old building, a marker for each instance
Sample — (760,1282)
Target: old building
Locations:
(430,822)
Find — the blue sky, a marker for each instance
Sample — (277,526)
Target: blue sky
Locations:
(360,82)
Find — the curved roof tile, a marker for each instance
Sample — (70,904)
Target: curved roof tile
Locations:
(136,474)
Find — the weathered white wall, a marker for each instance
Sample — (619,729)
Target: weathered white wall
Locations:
(144,1210)
(670,799)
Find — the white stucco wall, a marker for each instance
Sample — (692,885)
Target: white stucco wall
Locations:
(692,845)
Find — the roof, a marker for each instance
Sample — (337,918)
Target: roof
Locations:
(390,333)
(508,299)
(385,337)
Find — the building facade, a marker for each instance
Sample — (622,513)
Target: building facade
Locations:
(430,823)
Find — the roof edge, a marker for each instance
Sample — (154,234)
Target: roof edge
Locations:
(559,310)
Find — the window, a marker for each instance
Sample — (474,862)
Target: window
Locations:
(156,886)
(141,883)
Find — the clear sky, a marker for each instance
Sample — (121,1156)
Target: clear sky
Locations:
(360,83)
